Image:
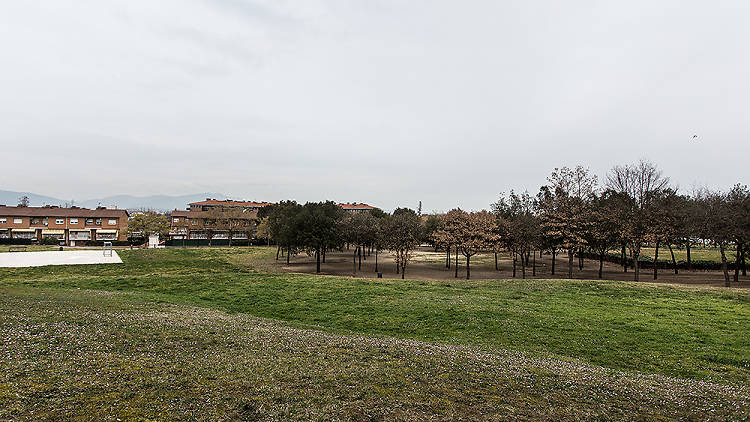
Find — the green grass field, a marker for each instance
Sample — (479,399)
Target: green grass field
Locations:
(217,333)
(697,253)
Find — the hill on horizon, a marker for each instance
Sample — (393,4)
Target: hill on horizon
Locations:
(156,202)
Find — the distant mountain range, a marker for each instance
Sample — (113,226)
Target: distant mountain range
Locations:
(155,202)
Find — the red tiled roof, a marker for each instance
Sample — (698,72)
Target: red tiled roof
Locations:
(60,212)
(356,206)
(201,214)
(231,202)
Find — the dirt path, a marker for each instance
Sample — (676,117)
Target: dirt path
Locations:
(429,265)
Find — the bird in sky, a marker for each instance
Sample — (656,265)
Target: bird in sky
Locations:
(695,137)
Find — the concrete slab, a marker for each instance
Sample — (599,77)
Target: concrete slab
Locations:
(38,259)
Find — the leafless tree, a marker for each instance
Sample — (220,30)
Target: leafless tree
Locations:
(638,185)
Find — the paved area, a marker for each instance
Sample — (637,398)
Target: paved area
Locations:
(38,259)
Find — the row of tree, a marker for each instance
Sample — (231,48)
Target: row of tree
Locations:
(318,227)
(572,214)
(637,206)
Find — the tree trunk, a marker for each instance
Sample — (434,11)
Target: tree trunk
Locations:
(354,262)
(570,262)
(514,264)
(448,257)
(601,263)
(230,238)
(737,263)
(324,255)
(317,260)
(674,261)
(468,270)
(376,260)
(689,261)
(533,266)
(524,263)
(656,260)
(580,259)
(455,266)
(636,265)
(288,254)
(359,255)
(496,269)
(278,249)
(624,259)
(724,264)
(403,271)
(554,254)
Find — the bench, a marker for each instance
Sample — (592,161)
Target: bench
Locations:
(16,248)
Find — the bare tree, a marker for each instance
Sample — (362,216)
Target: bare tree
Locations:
(638,185)
(602,229)
(738,203)
(716,223)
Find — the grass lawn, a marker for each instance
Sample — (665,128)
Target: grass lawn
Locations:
(697,253)
(344,346)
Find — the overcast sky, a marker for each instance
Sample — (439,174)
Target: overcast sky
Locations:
(385,102)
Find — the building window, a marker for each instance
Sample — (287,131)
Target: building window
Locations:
(175,220)
(79,235)
(35,221)
(73,221)
(17,221)
(112,222)
(59,221)
(89,221)
(3,220)
(105,236)
(98,221)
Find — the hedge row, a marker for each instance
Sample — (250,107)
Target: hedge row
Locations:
(645,261)
(214,242)
(6,241)
(53,241)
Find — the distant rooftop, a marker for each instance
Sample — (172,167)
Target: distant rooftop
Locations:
(231,202)
(356,206)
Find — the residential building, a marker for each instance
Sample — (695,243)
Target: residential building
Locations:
(216,223)
(70,225)
(221,218)
(212,204)
(356,207)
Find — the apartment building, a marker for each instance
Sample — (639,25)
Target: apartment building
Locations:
(238,224)
(356,207)
(70,225)
(220,219)
(213,204)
